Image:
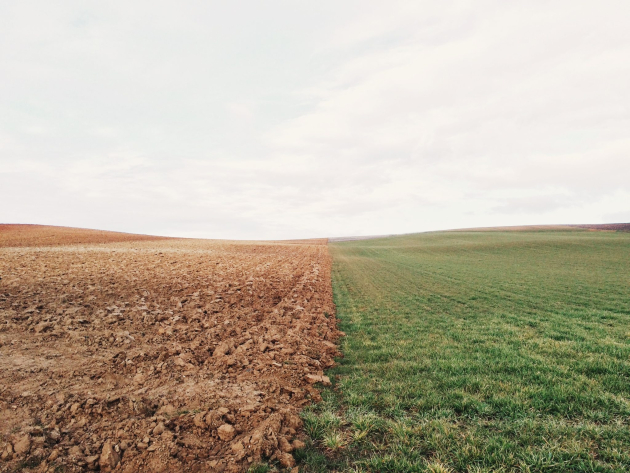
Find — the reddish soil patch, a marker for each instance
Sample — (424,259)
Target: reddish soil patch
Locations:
(13,235)
(609,227)
(165,355)
(518,228)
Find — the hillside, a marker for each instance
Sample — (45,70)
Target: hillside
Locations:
(14,235)
(479,351)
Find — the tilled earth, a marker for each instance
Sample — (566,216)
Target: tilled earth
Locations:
(611,227)
(160,355)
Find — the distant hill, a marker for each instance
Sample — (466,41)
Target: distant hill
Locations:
(16,235)
(602,227)
(615,227)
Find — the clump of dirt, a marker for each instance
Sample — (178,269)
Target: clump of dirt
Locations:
(166,355)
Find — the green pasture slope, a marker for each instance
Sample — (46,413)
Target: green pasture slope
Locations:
(479,352)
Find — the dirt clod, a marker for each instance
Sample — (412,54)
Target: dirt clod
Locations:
(22,445)
(226,432)
(109,458)
(286,460)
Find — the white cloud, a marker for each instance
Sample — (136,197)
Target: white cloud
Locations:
(284,121)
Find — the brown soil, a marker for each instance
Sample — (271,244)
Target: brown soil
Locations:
(607,227)
(611,227)
(13,235)
(163,355)
(519,228)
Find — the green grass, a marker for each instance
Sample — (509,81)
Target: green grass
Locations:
(479,352)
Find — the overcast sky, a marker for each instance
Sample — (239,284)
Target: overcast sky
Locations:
(290,119)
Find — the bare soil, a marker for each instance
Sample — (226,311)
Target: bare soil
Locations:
(610,227)
(14,235)
(158,354)
(607,227)
(518,228)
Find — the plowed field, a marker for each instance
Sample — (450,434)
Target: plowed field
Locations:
(42,235)
(158,355)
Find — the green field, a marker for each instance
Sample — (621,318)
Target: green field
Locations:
(479,352)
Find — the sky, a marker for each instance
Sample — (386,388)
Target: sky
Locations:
(295,119)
